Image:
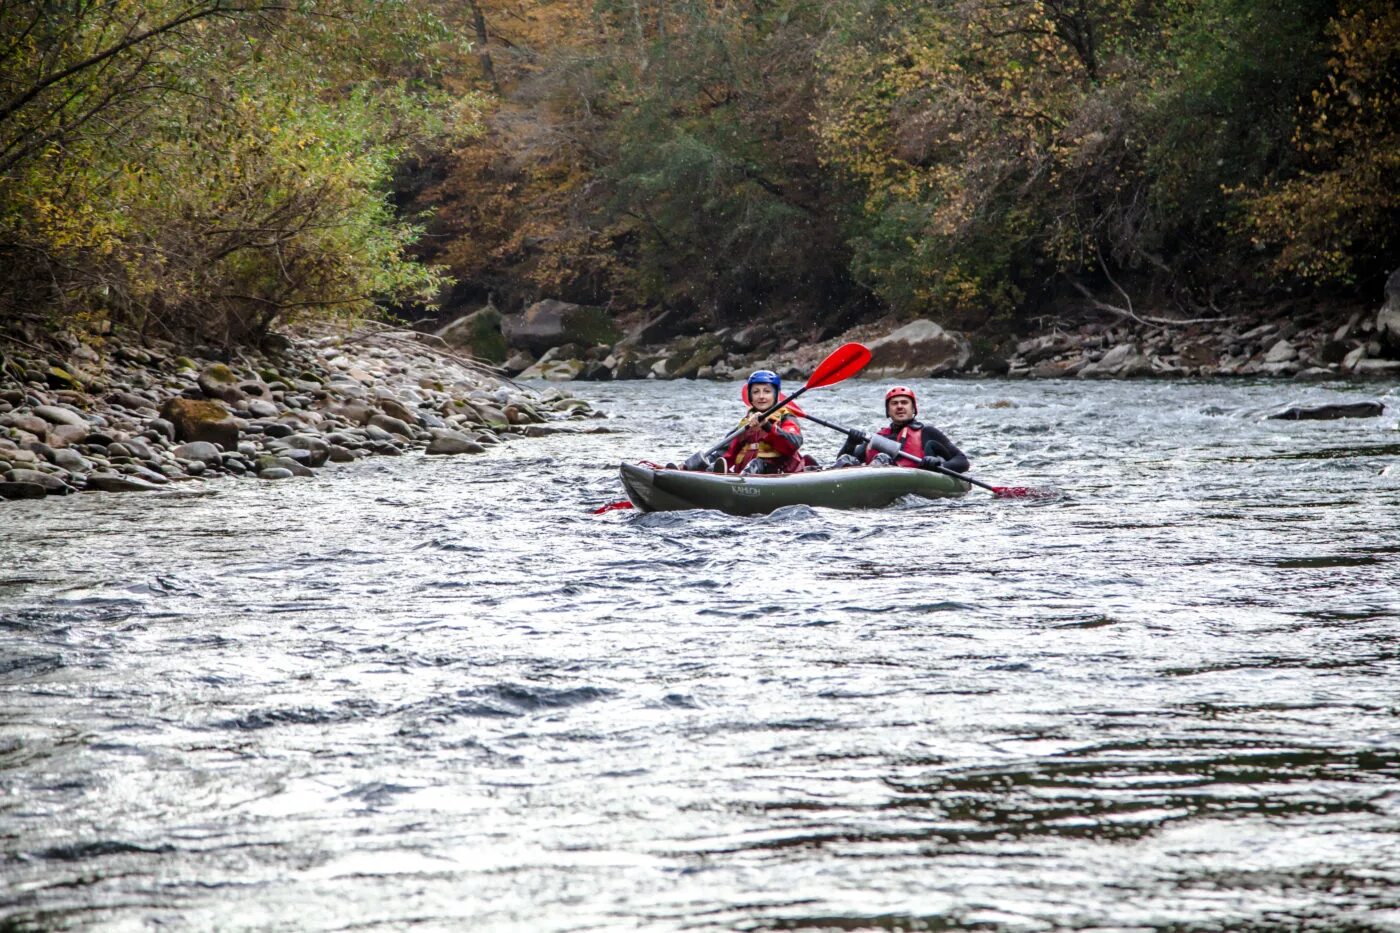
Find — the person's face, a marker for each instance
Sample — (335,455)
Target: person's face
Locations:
(762,395)
(901,408)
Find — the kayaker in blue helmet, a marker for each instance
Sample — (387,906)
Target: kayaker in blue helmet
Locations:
(930,445)
(767,445)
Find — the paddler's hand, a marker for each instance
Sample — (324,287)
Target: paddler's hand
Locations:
(932,463)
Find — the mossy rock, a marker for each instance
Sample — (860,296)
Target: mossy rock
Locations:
(59,378)
(707,351)
(184,362)
(196,420)
(479,334)
(550,323)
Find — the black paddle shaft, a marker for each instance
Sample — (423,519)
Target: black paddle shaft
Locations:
(887,446)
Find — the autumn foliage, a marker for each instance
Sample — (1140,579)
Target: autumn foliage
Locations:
(200,163)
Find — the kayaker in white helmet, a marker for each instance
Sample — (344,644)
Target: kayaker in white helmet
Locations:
(930,445)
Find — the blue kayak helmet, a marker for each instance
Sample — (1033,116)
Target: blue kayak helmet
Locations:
(765,377)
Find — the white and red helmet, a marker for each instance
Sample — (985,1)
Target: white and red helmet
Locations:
(896,392)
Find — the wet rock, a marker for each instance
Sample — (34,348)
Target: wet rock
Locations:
(339,454)
(259,408)
(920,348)
(1373,367)
(149,475)
(201,421)
(51,484)
(11,489)
(453,442)
(275,473)
(200,451)
(271,462)
(115,482)
(1332,412)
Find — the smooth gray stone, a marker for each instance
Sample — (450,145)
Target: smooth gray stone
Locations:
(283,463)
(55,415)
(259,408)
(391,425)
(50,483)
(139,448)
(452,442)
(275,473)
(70,460)
(160,479)
(201,451)
(113,482)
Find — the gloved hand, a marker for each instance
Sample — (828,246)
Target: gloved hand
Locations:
(882,460)
(846,460)
(695,462)
(932,463)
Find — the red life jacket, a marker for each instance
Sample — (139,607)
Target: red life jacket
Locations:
(911,441)
(772,447)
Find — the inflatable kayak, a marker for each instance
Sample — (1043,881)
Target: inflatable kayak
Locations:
(660,490)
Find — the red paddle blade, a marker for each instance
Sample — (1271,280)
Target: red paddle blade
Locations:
(843,363)
(613,507)
(1026,492)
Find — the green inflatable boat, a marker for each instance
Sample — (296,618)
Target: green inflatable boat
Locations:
(660,490)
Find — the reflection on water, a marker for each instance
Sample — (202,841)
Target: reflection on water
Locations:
(439,693)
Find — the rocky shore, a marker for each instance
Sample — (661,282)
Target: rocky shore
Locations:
(558,341)
(121,416)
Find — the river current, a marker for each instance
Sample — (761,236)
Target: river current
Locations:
(438,693)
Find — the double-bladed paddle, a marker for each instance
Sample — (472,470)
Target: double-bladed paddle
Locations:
(841,364)
(886,446)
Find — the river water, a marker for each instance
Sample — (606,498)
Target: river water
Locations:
(427,693)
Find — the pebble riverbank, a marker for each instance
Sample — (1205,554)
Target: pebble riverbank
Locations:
(118,416)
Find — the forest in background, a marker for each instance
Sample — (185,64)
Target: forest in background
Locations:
(218,167)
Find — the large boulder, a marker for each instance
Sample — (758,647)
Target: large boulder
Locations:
(550,323)
(1125,359)
(920,348)
(195,420)
(478,334)
(1388,318)
(664,327)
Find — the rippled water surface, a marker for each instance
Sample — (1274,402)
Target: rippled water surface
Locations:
(438,693)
